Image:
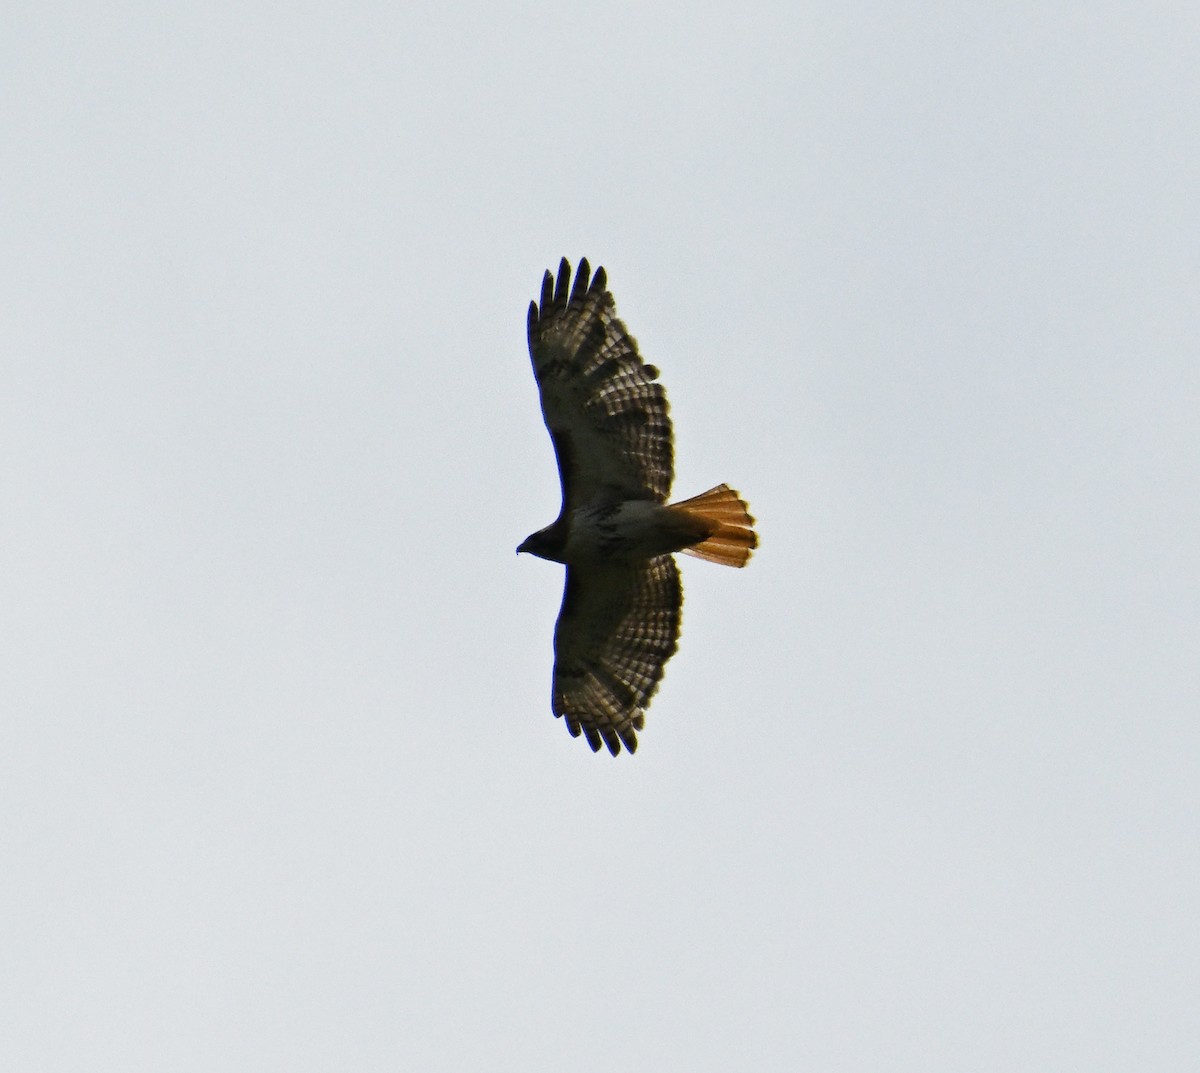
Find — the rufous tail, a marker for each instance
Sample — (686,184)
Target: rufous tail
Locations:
(732,537)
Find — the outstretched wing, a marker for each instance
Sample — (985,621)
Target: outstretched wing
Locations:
(606,415)
(617,628)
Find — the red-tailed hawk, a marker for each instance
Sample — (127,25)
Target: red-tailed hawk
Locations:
(616,533)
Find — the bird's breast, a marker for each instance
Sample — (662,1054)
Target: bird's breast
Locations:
(629,531)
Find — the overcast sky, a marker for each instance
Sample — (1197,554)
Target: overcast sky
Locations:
(280,788)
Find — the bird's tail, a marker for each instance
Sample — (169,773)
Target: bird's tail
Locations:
(731,529)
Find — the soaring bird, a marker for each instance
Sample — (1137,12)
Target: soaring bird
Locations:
(616,533)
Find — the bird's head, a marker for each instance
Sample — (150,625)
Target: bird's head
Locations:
(545,544)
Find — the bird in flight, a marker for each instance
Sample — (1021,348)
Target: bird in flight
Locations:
(608,419)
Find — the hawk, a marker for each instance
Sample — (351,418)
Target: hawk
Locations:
(616,533)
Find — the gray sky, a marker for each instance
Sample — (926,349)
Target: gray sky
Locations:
(279,783)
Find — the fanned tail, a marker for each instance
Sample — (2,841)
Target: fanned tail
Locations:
(732,535)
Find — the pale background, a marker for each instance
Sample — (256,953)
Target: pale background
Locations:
(279,784)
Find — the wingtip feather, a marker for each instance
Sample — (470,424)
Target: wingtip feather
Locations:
(582,274)
(563,285)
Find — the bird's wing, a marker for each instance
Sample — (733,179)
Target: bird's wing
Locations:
(617,628)
(606,414)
